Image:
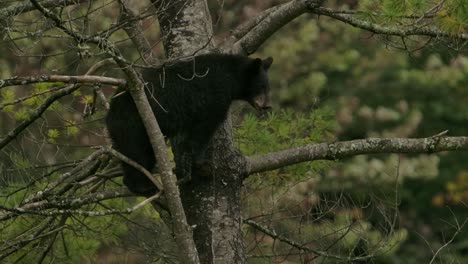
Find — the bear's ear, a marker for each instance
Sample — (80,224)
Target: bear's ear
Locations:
(256,65)
(267,63)
(259,64)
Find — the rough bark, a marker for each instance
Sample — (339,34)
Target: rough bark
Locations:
(186,27)
(344,149)
(182,230)
(211,202)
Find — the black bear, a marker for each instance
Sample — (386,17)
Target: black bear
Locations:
(190,100)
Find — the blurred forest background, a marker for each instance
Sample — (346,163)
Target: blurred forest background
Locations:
(329,82)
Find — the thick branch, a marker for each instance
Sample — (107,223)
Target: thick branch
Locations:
(251,34)
(268,23)
(414,30)
(338,150)
(60,78)
(24,7)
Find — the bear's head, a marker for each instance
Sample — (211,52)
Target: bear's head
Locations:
(257,88)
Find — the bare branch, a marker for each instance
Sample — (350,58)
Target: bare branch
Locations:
(457,232)
(18,211)
(50,100)
(137,166)
(37,233)
(338,150)
(268,23)
(86,79)
(62,203)
(80,167)
(58,22)
(272,233)
(36,114)
(135,32)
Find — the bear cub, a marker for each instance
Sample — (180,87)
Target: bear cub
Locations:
(190,99)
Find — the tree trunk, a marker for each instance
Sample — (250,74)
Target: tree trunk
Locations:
(211,202)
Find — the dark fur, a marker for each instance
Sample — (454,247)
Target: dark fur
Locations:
(190,99)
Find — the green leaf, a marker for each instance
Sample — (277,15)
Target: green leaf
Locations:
(53,134)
